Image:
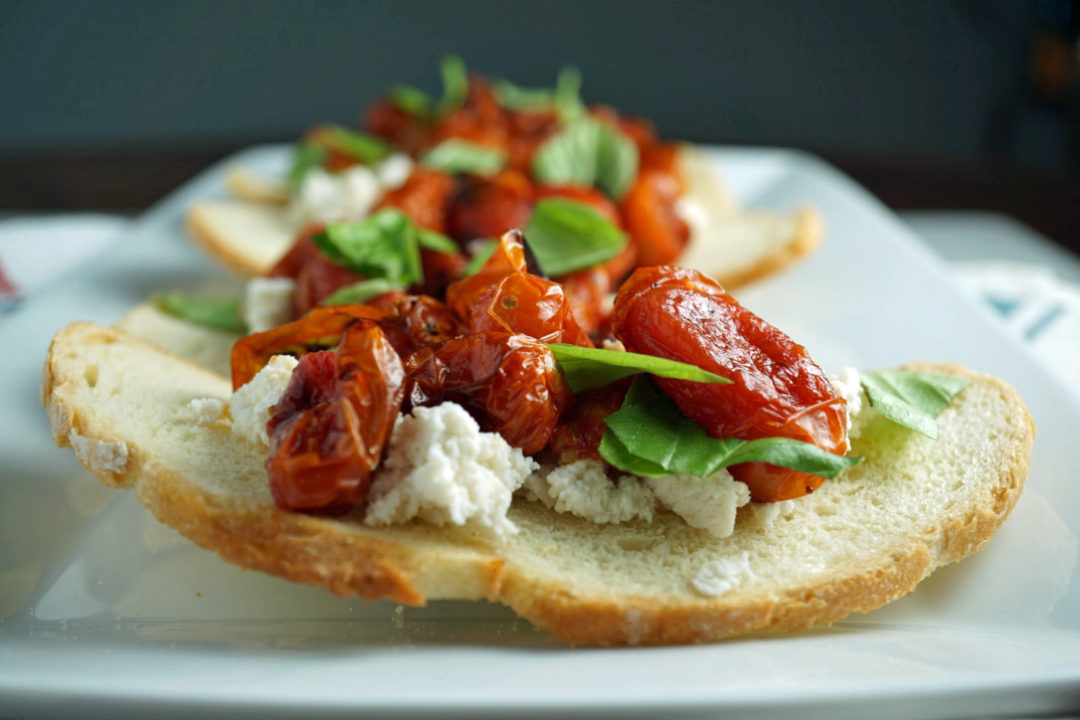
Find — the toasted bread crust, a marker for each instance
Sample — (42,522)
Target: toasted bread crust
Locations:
(807,236)
(202,227)
(413,563)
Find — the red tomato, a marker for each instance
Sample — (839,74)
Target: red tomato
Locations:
(776,389)
(328,430)
(509,383)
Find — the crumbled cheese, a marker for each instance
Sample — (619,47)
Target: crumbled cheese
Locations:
(583,488)
(441,468)
(720,576)
(849,387)
(250,406)
(615,345)
(394,171)
(98,455)
(704,503)
(268,302)
(326,197)
(204,411)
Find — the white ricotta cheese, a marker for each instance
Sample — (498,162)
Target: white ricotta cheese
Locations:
(250,406)
(583,488)
(394,171)
(332,197)
(704,503)
(847,385)
(268,302)
(613,345)
(441,468)
(99,455)
(720,576)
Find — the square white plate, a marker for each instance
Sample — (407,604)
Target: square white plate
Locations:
(103,611)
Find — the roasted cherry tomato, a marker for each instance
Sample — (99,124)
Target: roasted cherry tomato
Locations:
(424,197)
(504,297)
(649,215)
(425,320)
(579,432)
(328,430)
(316,277)
(320,329)
(509,383)
(480,120)
(776,389)
(488,207)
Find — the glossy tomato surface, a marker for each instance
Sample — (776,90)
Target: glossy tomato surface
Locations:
(509,383)
(776,389)
(328,431)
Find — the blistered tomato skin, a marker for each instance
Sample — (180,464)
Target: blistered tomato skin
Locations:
(580,431)
(319,329)
(509,383)
(776,389)
(328,430)
(503,297)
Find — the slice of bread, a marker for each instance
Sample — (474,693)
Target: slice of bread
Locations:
(206,347)
(860,541)
(250,233)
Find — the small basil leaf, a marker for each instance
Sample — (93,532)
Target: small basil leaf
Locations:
(461,156)
(567,235)
(480,257)
(416,102)
(383,245)
(455,79)
(515,97)
(306,157)
(570,156)
(912,399)
(360,292)
(612,449)
(650,429)
(362,147)
(616,162)
(218,313)
(411,100)
(436,241)
(588,152)
(567,95)
(587,368)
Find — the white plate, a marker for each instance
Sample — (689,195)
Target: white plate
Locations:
(104,611)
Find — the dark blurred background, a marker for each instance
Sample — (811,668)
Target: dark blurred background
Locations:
(960,104)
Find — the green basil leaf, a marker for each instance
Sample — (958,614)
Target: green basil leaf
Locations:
(455,79)
(570,156)
(588,152)
(480,257)
(362,147)
(306,157)
(912,399)
(566,235)
(657,437)
(616,162)
(567,95)
(416,102)
(436,241)
(411,100)
(461,156)
(515,97)
(587,368)
(360,292)
(612,449)
(218,313)
(383,245)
